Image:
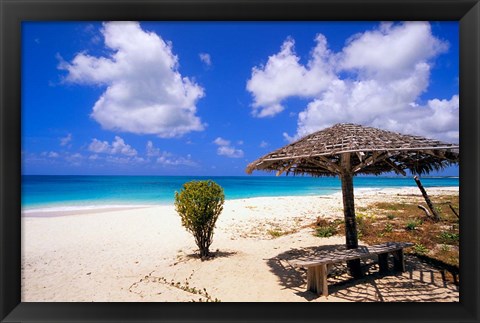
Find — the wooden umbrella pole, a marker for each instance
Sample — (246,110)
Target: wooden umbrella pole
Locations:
(349,213)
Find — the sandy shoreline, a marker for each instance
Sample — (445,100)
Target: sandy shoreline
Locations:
(135,254)
(56,212)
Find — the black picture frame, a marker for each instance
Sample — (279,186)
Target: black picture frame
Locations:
(14,12)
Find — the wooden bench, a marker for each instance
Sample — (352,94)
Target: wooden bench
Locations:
(317,267)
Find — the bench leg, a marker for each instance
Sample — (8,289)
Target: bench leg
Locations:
(398,260)
(323,271)
(311,280)
(383,262)
(317,280)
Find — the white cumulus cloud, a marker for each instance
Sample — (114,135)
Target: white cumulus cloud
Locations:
(117,147)
(151,150)
(166,158)
(283,76)
(376,79)
(66,140)
(221,142)
(391,51)
(50,154)
(145,92)
(226,149)
(205,58)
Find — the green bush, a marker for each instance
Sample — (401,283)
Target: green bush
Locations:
(420,249)
(325,231)
(449,238)
(413,224)
(388,228)
(199,204)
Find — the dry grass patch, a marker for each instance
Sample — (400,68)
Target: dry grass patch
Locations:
(406,222)
(403,221)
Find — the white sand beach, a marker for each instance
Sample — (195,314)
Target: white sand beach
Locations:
(135,254)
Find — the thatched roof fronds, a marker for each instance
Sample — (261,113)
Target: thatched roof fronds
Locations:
(371,151)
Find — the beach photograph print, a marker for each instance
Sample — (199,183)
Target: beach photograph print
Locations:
(188,161)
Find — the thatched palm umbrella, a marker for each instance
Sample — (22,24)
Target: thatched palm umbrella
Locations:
(346,150)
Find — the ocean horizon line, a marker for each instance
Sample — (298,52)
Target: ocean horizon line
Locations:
(65,190)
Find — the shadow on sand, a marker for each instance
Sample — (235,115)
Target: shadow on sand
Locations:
(420,283)
(213,255)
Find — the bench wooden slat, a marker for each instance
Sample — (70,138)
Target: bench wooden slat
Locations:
(351,254)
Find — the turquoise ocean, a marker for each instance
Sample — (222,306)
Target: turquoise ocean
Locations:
(77,192)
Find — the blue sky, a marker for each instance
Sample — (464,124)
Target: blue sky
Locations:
(207,98)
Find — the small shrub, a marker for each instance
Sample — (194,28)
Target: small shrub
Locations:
(325,231)
(199,204)
(325,228)
(420,249)
(413,224)
(390,216)
(449,238)
(388,228)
